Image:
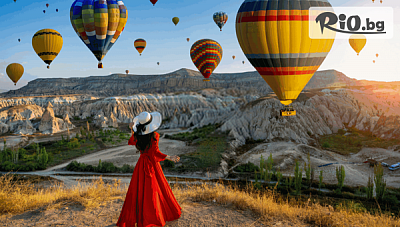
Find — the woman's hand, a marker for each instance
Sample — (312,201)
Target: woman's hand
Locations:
(130,126)
(173,158)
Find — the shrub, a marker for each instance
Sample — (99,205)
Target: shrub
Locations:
(326,145)
(169,164)
(341,131)
(74,143)
(248,167)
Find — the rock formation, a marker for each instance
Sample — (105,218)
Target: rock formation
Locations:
(178,81)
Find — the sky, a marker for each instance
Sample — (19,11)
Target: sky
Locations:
(166,43)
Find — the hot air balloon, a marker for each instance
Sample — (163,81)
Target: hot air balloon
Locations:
(357,42)
(19,40)
(233,57)
(47,5)
(373,61)
(175,20)
(220,19)
(140,44)
(47,43)
(56,10)
(243,62)
(377,55)
(206,55)
(44,11)
(158,63)
(14,72)
(279,45)
(381,1)
(153,1)
(188,39)
(15,0)
(127,71)
(99,24)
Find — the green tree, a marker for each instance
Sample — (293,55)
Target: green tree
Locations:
(298,174)
(380,183)
(340,175)
(321,177)
(370,188)
(308,171)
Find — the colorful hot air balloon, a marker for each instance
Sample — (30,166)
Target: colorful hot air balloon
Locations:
(206,55)
(233,57)
(153,1)
(99,24)
(14,72)
(47,43)
(175,20)
(274,36)
(158,63)
(47,5)
(188,39)
(140,44)
(357,42)
(243,62)
(127,71)
(220,19)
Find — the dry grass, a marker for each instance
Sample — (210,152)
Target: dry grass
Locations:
(18,198)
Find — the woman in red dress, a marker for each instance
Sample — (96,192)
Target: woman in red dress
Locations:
(149,200)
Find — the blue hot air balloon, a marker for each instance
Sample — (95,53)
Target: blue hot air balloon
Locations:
(220,19)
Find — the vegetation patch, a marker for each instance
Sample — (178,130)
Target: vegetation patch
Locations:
(353,141)
(210,146)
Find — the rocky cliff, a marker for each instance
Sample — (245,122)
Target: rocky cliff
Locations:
(178,81)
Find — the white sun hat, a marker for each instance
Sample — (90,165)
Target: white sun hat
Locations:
(152,122)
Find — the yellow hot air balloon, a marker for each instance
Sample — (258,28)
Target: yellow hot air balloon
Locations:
(275,39)
(175,20)
(357,42)
(14,72)
(47,43)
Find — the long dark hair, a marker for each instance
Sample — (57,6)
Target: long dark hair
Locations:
(143,141)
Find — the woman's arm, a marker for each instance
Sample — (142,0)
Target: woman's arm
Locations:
(173,158)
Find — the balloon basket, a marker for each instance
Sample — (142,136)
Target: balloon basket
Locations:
(100,65)
(206,79)
(288,111)
(48,67)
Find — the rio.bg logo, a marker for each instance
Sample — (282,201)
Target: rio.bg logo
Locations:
(340,22)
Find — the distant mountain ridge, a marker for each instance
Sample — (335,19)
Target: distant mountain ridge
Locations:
(177,81)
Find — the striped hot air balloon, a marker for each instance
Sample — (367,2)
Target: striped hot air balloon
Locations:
(220,19)
(206,55)
(274,36)
(140,44)
(47,43)
(99,24)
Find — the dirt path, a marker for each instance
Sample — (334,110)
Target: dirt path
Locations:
(193,214)
(127,154)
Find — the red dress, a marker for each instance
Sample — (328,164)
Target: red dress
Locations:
(149,200)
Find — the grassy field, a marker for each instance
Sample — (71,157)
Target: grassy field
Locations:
(210,146)
(19,197)
(354,141)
